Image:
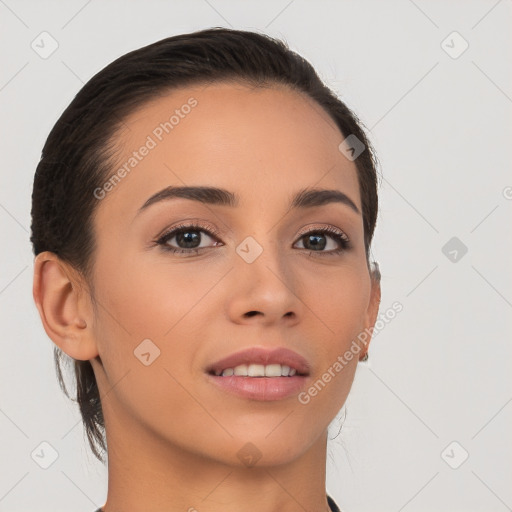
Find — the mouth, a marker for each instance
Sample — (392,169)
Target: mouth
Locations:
(258,370)
(260,362)
(261,374)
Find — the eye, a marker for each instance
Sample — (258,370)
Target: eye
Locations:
(315,240)
(188,238)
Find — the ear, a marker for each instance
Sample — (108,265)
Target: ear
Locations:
(373,306)
(64,306)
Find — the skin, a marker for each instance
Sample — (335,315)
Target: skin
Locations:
(172,437)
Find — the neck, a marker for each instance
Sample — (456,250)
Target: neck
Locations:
(146,472)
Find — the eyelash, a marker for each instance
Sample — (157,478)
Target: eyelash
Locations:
(338,235)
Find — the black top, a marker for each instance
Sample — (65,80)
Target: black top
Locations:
(332,505)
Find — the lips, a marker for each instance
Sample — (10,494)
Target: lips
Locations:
(258,355)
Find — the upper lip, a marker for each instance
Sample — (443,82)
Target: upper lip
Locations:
(258,355)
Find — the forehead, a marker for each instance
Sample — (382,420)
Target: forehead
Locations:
(261,143)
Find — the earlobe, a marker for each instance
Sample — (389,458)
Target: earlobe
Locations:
(63,314)
(373,306)
(376,292)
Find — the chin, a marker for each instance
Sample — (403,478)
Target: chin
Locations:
(264,449)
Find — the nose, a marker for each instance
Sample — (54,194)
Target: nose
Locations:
(263,288)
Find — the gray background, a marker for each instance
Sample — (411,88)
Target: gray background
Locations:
(441,122)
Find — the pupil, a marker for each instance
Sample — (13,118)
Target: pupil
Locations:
(189,237)
(315,238)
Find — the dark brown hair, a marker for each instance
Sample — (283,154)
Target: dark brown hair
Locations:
(77,156)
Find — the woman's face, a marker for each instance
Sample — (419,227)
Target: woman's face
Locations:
(163,318)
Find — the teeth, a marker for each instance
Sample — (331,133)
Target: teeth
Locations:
(241,370)
(259,370)
(272,370)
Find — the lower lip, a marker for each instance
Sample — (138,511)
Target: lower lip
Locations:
(261,388)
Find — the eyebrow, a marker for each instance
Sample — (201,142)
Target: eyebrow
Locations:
(305,198)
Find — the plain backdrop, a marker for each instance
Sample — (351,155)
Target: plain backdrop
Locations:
(426,420)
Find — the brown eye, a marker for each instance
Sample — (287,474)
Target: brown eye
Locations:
(188,239)
(317,241)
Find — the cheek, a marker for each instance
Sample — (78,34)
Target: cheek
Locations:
(140,302)
(338,301)
(166,304)
(152,299)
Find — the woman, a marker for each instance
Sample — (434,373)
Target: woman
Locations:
(202,217)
